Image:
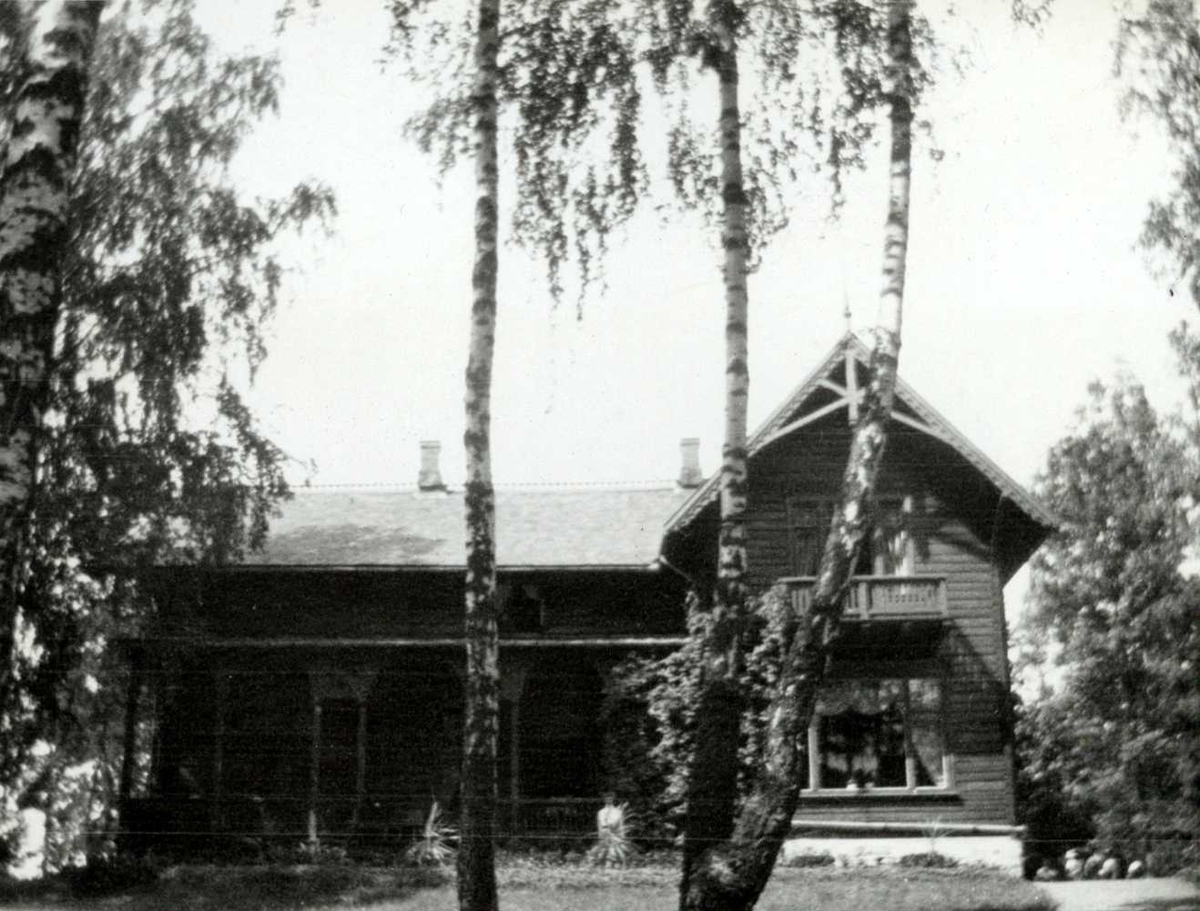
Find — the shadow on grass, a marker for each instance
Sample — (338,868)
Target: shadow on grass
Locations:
(250,888)
(536,885)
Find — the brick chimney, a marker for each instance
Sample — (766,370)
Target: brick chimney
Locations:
(430,477)
(689,470)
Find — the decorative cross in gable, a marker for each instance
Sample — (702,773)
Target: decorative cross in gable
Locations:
(849,396)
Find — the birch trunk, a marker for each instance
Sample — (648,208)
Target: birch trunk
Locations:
(852,521)
(476,855)
(730,876)
(712,776)
(39,158)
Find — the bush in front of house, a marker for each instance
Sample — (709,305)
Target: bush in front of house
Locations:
(436,844)
(648,716)
(928,860)
(809,859)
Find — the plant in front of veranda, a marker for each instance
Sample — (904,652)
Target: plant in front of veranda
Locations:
(435,846)
(614,845)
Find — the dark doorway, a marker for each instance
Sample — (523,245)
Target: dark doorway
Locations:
(560,739)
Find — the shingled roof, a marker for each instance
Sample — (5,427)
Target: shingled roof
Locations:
(535,527)
(573,526)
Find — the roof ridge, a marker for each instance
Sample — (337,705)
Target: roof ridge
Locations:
(658,484)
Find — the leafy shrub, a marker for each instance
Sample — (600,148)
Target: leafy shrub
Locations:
(649,714)
(810,859)
(1166,851)
(928,860)
(1112,742)
(613,846)
(321,854)
(435,846)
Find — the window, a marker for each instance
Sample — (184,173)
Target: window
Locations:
(809,521)
(869,734)
(523,610)
(888,550)
(891,539)
(809,524)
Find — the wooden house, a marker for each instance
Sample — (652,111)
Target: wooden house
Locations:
(315,689)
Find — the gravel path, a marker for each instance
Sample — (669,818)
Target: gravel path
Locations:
(1124,895)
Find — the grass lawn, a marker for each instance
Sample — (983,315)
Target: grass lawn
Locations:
(533,887)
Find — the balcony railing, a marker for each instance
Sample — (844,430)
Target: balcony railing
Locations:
(881,597)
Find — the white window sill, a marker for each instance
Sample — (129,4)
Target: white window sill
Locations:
(888,793)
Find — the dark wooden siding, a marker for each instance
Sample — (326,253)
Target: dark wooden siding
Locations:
(258,642)
(950,530)
(257,704)
(378,604)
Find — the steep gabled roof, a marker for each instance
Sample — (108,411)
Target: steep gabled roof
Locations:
(569,526)
(910,409)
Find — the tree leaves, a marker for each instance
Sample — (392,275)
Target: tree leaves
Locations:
(575,77)
(1158,54)
(150,453)
(1117,736)
(569,97)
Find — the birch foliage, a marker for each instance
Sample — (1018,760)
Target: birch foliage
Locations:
(148,453)
(569,106)
(1158,56)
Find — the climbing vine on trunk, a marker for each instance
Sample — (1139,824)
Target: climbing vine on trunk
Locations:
(713,771)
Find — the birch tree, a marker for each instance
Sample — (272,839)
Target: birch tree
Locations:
(731,873)
(476,855)
(40,151)
(729,850)
(544,61)
(146,452)
(712,780)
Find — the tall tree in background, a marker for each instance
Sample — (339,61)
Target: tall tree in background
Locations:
(476,855)
(148,454)
(1114,614)
(49,50)
(1158,54)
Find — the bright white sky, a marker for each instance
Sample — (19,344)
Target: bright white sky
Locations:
(1024,283)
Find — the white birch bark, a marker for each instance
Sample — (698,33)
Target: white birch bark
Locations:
(476,856)
(40,152)
(712,776)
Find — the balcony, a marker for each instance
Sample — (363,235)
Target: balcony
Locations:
(881,597)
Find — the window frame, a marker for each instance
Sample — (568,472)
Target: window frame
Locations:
(815,787)
(899,510)
(893,514)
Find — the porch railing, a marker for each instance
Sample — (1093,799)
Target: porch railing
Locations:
(882,597)
(186,827)
(563,817)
